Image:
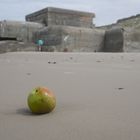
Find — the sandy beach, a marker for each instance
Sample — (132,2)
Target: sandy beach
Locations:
(98,96)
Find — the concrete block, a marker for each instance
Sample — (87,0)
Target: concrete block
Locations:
(57,16)
(114,40)
(132,39)
(16,30)
(68,38)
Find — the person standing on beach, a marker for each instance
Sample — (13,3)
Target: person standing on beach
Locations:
(40,43)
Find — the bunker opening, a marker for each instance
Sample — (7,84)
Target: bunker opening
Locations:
(8,38)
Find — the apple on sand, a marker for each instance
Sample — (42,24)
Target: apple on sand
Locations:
(41,100)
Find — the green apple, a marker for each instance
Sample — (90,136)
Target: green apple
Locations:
(41,100)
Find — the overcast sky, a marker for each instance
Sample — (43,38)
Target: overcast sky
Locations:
(107,11)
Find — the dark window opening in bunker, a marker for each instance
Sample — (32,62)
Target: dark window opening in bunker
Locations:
(7,38)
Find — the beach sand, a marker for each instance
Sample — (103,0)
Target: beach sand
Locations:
(98,96)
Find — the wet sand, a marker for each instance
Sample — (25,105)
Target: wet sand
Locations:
(98,96)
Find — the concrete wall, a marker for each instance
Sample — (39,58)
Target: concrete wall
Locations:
(131,27)
(21,31)
(56,16)
(132,40)
(114,40)
(72,39)
(13,46)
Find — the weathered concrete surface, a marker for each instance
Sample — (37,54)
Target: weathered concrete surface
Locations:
(131,26)
(71,39)
(128,42)
(21,31)
(114,40)
(57,16)
(14,46)
(132,40)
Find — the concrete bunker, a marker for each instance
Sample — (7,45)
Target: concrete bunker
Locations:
(71,39)
(8,38)
(57,16)
(67,30)
(18,31)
